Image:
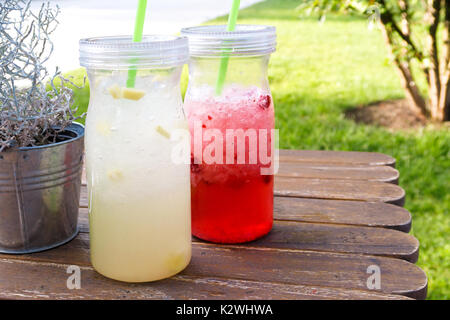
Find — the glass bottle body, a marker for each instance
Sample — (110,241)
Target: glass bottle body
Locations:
(139,199)
(232,198)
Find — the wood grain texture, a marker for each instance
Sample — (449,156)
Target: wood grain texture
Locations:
(334,214)
(360,213)
(309,268)
(337,157)
(341,239)
(31,280)
(326,189)
(331,171)
(371,214)
(338,171)
(305,268)
(328,238)
(339,190)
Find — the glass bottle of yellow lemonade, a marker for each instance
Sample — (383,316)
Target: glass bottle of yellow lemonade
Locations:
(139,196)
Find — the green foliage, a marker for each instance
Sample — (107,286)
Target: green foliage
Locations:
(417,33)
(322,7)
(320,70)
(80,87)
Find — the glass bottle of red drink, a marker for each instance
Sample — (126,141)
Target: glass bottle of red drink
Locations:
(231,129)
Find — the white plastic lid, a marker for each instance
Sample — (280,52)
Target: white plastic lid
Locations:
(120,52)
(216,41)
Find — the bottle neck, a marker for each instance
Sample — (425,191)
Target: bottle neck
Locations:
(241,71)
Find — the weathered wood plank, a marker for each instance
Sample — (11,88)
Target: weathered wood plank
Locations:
(326,189)
(31,280)
(357,213)
(331,171)
(339,190)
(360,213)
(307,268)
(371,214)
(341,239)
(328,238)
(338,171)
(337,157)
(84,199)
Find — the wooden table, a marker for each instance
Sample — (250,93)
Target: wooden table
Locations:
(336,214)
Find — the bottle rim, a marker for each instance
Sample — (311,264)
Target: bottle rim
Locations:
(120,52)
(215,41)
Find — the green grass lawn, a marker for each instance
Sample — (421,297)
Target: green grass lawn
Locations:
(319,71)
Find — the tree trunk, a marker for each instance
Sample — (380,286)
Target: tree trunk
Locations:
(417,102)
(436,89)
(446,111)
(445,64)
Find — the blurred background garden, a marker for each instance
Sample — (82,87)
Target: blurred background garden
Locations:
(336,87)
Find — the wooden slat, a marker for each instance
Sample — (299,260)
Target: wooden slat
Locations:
(327,189)
(31,280)
(337,157)
(309,268)
(372,214)
(306,268)
(339,190)
(328,238)
(360,213)
(331,171)
(84,200)
(338,171)
(341,239)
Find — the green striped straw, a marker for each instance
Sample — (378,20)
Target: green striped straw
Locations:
(232,19)
(137,37)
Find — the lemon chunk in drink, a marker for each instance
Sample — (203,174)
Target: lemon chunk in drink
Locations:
(125,93)
(163,131)
(132,94)
(115,91)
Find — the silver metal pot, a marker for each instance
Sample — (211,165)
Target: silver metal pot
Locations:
(40,194)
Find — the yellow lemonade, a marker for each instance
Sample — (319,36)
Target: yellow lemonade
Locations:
(139,198)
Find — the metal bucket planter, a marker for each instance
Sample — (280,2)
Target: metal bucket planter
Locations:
(40,193)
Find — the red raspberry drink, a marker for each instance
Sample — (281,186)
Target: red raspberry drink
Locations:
(231,202)
(231,119)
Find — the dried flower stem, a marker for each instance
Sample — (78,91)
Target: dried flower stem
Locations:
(35,105)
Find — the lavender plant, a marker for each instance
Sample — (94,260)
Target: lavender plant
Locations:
(35,105)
